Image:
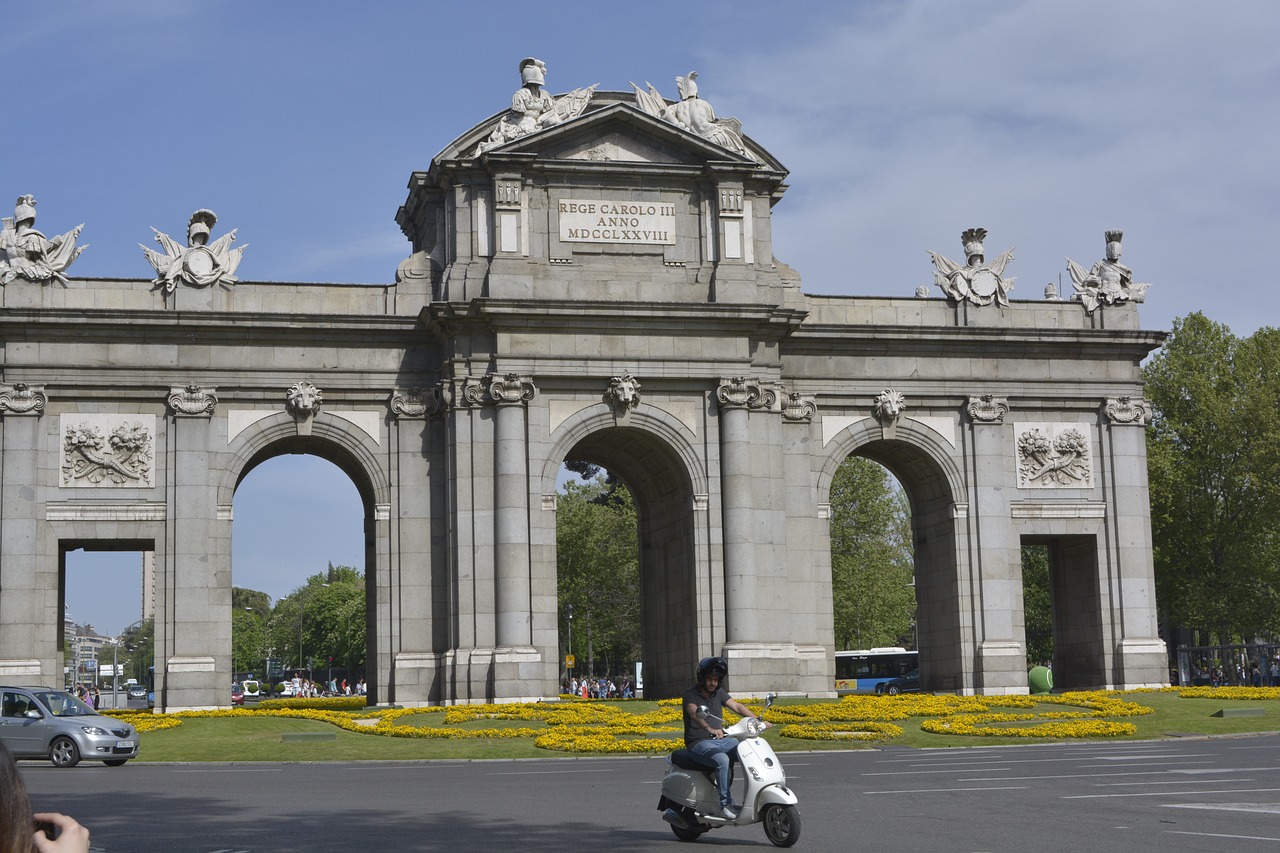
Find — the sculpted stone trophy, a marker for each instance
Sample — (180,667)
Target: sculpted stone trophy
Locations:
(199,263)
(1109,282)
(26,253)
(977,281)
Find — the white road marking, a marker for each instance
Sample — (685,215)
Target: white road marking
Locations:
(949,790)
(1164,794)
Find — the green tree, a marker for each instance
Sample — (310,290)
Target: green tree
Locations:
(1214,462)
(325,615)
(1037,604)
(871,558)
(251,599)
(597,561)
(248,646)
(138,649)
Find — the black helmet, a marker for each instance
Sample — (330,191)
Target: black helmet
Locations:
(712,666)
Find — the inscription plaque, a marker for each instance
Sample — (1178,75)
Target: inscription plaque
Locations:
(605,221)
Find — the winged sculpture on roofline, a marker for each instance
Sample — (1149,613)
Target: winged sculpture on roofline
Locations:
(199,263)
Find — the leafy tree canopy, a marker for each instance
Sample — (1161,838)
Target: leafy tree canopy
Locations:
(871,559)
(1214,461)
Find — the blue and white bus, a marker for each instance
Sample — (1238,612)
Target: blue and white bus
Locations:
(860,671)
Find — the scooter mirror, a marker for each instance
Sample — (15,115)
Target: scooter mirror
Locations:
(703,712)
(768,700)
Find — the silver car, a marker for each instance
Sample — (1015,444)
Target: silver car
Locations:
(39,722)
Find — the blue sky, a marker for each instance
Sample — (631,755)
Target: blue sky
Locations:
(902,124)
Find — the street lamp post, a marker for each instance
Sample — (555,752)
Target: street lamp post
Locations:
(568,609)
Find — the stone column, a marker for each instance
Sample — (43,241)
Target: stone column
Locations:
(737,397)
(1143,660)
(28,644)
(511,519)
(994,607)
(197,615)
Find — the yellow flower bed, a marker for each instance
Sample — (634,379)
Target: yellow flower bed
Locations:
(1229,692)
(587,739)
(154,722)
(842,731)
(608,727)
(971,724)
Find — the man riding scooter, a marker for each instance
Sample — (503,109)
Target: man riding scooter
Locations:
(704,733)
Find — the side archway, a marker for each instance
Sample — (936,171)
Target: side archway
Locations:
(355,454)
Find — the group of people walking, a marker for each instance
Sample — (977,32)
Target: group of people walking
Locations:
(591,687)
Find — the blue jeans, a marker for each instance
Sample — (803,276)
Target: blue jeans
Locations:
(721,750)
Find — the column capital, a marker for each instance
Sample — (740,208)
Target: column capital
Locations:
(1127,410)
(742,392)
(192,401)
(22,399)
(510,389)
(987,409)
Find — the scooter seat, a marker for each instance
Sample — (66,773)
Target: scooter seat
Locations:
(687,759)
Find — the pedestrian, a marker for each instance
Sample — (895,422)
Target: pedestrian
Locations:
(18,832)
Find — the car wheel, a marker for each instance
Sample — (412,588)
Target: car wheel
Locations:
(115,762)
(893,690)
(63,752)
(781,824)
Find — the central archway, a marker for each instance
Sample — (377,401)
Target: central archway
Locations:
(944,595)
(676,606)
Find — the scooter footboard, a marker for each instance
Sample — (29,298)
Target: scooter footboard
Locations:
(776,795)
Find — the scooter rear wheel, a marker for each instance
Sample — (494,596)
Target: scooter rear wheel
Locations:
(781,824)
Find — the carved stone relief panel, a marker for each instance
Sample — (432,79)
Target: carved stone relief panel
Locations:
(107,451)
(1054,456)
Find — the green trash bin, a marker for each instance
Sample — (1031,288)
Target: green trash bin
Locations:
(1040,679)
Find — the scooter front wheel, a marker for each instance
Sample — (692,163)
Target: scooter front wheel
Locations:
(781,824)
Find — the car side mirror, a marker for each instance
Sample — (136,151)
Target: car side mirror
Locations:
(33,714)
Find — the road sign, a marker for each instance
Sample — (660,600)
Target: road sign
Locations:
(569,661)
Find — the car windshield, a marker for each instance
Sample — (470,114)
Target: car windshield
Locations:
(64,704)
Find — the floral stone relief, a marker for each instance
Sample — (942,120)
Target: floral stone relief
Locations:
(106,451)
(1054,456)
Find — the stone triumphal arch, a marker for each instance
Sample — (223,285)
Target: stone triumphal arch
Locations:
(592,277)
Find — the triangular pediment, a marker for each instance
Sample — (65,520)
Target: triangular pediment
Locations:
(616,146)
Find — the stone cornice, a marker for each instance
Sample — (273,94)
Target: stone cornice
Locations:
(720,320)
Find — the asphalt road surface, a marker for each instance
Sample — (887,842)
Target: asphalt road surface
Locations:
(1169,796)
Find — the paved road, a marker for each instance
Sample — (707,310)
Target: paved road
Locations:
(1170,796)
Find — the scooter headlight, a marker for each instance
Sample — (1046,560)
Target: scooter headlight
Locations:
(754,726)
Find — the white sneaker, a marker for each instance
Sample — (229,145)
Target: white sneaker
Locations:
(729,812)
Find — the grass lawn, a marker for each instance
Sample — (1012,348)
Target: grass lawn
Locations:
(261,738)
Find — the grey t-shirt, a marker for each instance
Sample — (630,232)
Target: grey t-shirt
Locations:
(694,732)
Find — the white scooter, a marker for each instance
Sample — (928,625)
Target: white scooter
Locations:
(691,803)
